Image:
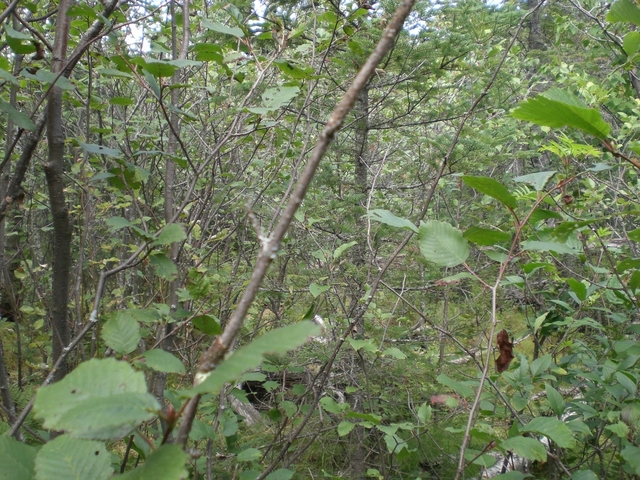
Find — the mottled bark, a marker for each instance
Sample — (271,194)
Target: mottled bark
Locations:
(536,39)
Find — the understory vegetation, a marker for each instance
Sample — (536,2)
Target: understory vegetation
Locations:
(389,240)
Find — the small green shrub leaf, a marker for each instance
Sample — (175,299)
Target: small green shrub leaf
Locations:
(344,428)
(170,234)
(99,149)
(460,388)
(220,28)
(17,459)
(101,399)
(163,265)
(280,474)
(556,402)
(548,247)
(161,361)
(388,218)
(165,463)
(280,340)
(556,108)
(553,428)
(342,248)
(66,458)
(536,180)
(525,447)
(207,324)
(316,289)
(22,120)
(631,455)
(249,455)
(442,244)
(485,236)
(122,332)
(493,188)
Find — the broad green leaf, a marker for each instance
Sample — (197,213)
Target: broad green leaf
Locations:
(153,84)
(100,149)
(631,43)
(17,459)
(20,119)
(274,98)
(19,42)
(207,324)
(388,218)
(496,256)
(316,289)
(424,413)
(620,429)
(537,180)
(165,463)
(366,345)
(542,214)
(66,458)
(343,248)
(629,383)
(485,236)
(631,455)
(207,52)
(556,108)
(634,235)
(163,265)
(170,234)
(249,455)
(540,365)
(280,474)
(579,288)
(460,388)
(493,188)
(161,361)
(513,475)
(525,447)
(442,244)
(280,340)
(548,247)
(394,352)
(120,101)
(9,78)
(220,28)
(156,68)
(121,332)
(44,76)
(584,475)
(344,428)
(553,428)
(624,11)
(556,402)
(101,399)
(292,70)
(330,405)
(113,72)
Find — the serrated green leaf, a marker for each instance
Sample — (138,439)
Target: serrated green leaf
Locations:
(525,447)
(493,188)
(280,474)
(631,455)
(120,101)
(316,289)
(394,352)
(460,388)
(17,459)
(537,180)
(163,266)
(344,428)
(249,455)
(121,332)
(631,43)
(548,247)
(343,248)
(556,108)
(485,236)
(66,458)
(165,463)
(113,72)
(388,218)
(442,244)
(170,234)
(624,11)
(120,391)
(99,149)
(553,428)
(207,324)
(579,288)
(162,361)
(44,76)
(20,119)
(540,365)
(292,70)
(542,214)
(153,84)
(9,78)
(274,98)
(280,340)
(424,413)
(220,28)
(366,345)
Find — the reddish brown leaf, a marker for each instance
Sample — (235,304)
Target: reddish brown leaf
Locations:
(506,351)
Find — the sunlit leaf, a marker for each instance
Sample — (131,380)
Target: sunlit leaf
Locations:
(442,244)
(66,458)
(493,188)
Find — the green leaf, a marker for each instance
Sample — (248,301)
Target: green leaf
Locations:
(9,78)
(442,244)
(525,447)
(280,474)
(43,76)
(66,458)
(460,388)
(274,98)
(120,101)
(556,402)
(170,234)
(485,236)
(17,459)
(101,399)
(161,361)
(343,248)
(165,463)
(316,289)
(249,455)
(537,180)
(20,119)
(624,11)
(207,324)
(548,246)
(556,108)
(121,332)
(631,43)
(153,84)
(584,475)
(631,455)
(113,72)
(100,149)
(280,340)
(493,188)
(394,352)
(163,266)
(540,365)
(388,218)
(513,475)
(220,28)
(579,288)
(366,345)
(424,413)
(292,70)
(542,214)
(344,428)
(553,428)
